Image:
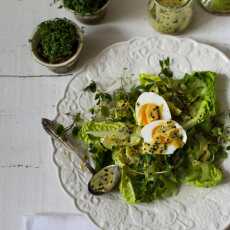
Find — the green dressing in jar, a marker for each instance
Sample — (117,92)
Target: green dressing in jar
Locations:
(170,16)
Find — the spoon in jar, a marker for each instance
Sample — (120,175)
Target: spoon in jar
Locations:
(103,181)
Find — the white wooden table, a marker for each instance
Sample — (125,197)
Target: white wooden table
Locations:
(28,178)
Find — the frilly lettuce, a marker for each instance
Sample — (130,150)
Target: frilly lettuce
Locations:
(203,174)
(199,92)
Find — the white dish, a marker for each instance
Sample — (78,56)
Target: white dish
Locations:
(192,208)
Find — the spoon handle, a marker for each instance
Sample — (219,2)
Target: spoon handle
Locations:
(70,144)
(67,140)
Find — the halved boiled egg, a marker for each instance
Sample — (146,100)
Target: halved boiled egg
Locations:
(151,107)
(163,137)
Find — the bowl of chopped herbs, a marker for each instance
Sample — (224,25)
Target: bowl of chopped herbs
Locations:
(87,11)
(57,44)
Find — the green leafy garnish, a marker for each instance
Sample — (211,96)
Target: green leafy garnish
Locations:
(75,131)
(203,174)
(58,40)
(165,68)
(102,97)
(60,130)
(92,87)
(84,7)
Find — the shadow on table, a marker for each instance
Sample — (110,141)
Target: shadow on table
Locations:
(126,10)
(200,18)
(224,47)
(98,37)
(96,40)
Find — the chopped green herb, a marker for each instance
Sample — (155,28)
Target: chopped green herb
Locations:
(92,87)
(58,40)
(165,68)
(75,131)
(84,7)
(77,118)
(60,130)
(101,96)
(92,110)
(105,111)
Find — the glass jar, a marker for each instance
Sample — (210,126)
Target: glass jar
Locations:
(170,16)
(216,6)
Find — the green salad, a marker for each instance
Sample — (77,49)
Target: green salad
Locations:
(162,144)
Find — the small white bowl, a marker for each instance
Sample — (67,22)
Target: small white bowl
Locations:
(61,67)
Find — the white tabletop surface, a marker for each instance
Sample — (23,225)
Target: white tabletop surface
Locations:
(28,178)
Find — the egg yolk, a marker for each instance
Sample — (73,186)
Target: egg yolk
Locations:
(165,135)
(162,136)
(148,113)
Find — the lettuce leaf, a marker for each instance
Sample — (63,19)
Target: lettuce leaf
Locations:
(205,142)
(91,134)
(166,186)
(202,174)
(136,189)
(142,181)
(106,140)
(203,154)
(199,95)
(119,157)
(92,131)
(101,156)
(126,188)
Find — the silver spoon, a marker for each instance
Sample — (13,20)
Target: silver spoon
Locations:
(103,181)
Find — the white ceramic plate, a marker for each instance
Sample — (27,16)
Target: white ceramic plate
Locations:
(192,208)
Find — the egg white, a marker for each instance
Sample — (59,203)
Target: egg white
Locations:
(152,98)
(147,130)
